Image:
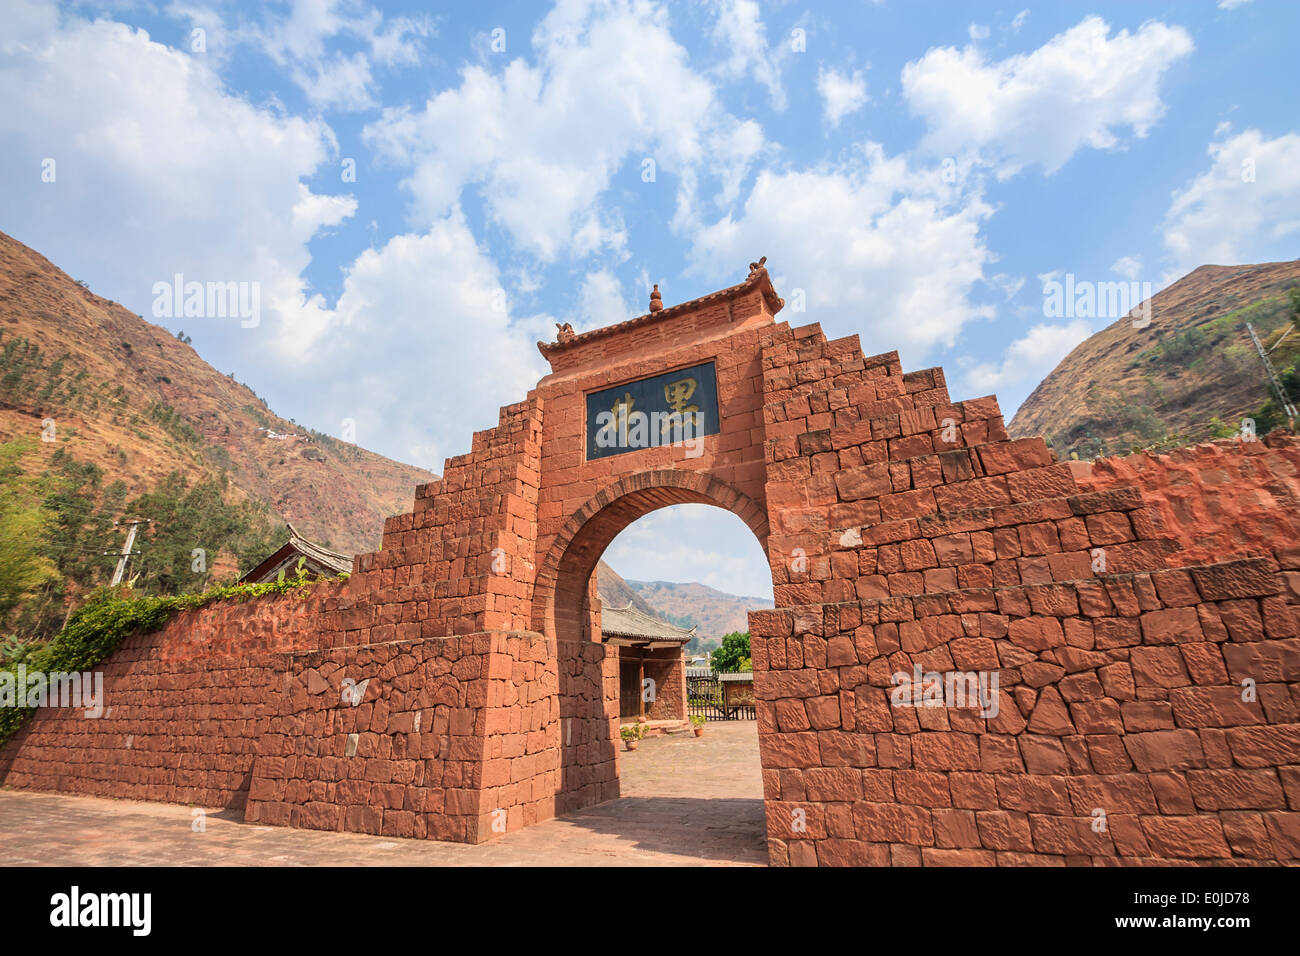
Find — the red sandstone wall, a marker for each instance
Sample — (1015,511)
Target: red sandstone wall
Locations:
(1219,500)
(241,704)
(184,708)
(450,739)
(667,668)
(1120,691)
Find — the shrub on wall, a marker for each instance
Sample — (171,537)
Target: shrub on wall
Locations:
(111,615)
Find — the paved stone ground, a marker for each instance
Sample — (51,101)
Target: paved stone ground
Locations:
(687,801)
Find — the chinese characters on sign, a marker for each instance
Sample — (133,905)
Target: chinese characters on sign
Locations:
(678,407)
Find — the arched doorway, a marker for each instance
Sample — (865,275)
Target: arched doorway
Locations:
(565,610)
(562,604)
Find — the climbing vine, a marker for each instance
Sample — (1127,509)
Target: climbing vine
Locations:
(108,617)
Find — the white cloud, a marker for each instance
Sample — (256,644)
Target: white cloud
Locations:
(1029,357)
(1078,90)
(978,31)
(734,146)
(842,93)
(158,170)
(331,79)
(687,543)
(601,302)
(1019,20)
(1009,286)
(26,22)
(1232,4)
(877,247)
(1244,208)
(740,29)
(433,375)
(1128,266)
(609,89)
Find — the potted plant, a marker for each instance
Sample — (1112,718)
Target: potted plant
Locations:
(631,733)
(697,724)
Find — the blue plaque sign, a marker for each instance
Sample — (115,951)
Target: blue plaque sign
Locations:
(673,408)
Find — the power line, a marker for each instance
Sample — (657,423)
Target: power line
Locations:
(126,552)
(1281,340)
(1285,399)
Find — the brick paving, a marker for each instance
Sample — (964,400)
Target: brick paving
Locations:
(686,801)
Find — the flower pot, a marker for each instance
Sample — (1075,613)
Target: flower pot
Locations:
(698,731)
(630,744)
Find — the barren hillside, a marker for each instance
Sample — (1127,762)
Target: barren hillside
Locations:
(129,396)
(1191,374)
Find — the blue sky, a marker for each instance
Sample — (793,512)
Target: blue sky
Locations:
(918,171)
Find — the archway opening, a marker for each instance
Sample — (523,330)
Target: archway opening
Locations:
(688,541)
(671,587)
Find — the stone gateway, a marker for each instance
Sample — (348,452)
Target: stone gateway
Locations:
(1146,707)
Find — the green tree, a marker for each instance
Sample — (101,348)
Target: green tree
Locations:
(24,567)
(188,518)
(1270,415)
(733,652)
(77,532)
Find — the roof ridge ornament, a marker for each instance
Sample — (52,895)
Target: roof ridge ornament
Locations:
(757,280)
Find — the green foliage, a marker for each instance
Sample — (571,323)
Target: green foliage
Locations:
(24,568)
(1270,415)
(1182,346)
(173,424)
(632,731)
(186,518)
(67,520)
(78,528)
(698,720)
(107,618)
(13,651)
(30,382)
(733,652)
(1221,429)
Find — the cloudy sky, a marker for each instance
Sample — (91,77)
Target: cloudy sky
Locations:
(422,190)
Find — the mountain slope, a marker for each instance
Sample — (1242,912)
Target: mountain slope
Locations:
(616,592)
(1190,375)
(714,612)
(130,397)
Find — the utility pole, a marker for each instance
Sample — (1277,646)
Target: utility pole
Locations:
(1285,399)
(125,556)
